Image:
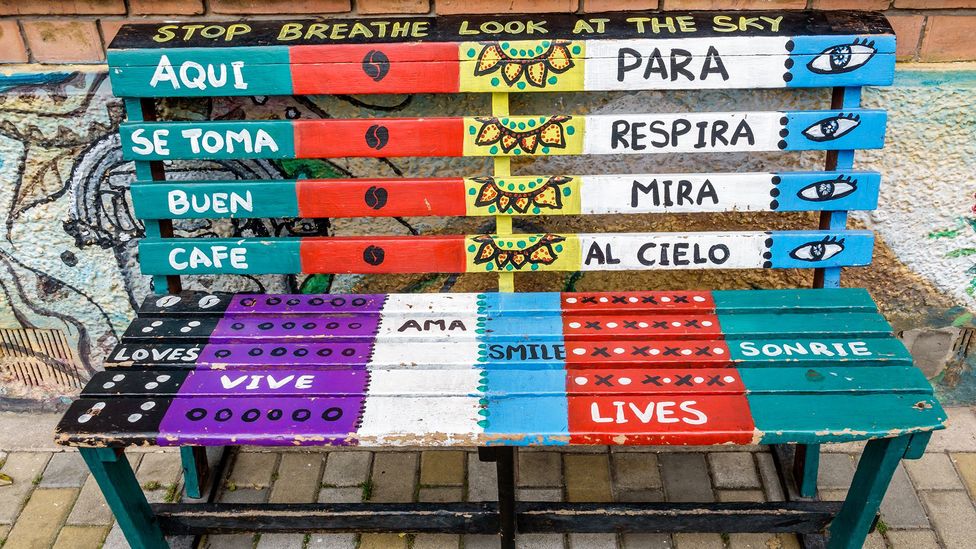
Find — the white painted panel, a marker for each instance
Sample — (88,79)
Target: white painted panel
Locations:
(404,420)
(718,62)
(660,193)
(682,132)
(629,251)
(431,303)
(455,382)
(424,354)
(428,325)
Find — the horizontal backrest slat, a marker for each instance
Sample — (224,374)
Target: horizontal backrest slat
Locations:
(516,195)
(546,52)
(493,253)
(507,136)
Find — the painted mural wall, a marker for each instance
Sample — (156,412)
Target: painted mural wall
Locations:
(68,234)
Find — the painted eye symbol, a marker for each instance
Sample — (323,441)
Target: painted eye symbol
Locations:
(831,189)
(842,58)
(818,250)
(832,127)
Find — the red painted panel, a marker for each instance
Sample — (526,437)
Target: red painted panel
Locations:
(689,353)
(659,419)
(387,254)
(659,381)
(638,301)
(580,325)
(379,137)
(380,197)
(375,68)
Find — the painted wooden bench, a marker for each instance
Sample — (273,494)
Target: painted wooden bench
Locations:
(793,368)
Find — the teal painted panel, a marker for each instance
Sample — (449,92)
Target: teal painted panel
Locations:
(214,199)
(835,378)
(815,419)
(213,140)
(810,300)
(182,256)
(831,349)
(793,325)
(200,72)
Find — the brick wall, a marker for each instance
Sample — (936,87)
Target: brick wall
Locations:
(77,31)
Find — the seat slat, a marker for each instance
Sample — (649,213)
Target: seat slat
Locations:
(495,253)
(516,195)
(476,420)
(577,380)
(448,55)
(527,135)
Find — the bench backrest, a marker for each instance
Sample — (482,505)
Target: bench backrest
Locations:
(501,55)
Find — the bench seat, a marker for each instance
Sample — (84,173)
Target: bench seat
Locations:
(695,367)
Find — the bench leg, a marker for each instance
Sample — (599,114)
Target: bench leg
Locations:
(504,458)
(195,470)
(850,527)
(124,496)
(806,463)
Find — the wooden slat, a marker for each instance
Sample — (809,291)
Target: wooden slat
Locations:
(546,135)
(520,252)
(544,52)
(515,195)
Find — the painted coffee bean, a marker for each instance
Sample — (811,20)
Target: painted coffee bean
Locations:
(376,197)
(376,65)
(377,136)
(374,255)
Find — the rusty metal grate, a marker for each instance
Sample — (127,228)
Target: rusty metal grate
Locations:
(39,358)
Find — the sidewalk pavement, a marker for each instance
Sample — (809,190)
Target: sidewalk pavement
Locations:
(53,501)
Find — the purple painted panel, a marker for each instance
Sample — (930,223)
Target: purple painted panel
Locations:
(263,355)
(358,327)
(305,303)
(280,383)
(265,421)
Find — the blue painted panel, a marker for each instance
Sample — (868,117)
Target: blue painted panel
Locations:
(805,250)
(539,419)
(536,324)
(838,190)
(518,303)
(843,61)
(833,130)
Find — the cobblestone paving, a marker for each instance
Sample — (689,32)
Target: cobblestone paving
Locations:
(53,502)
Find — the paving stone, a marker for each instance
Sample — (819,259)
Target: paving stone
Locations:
(875,541)
(763,541)
(24,468)
(934,471)
(900,506)
(45,512)
(281,541)
(382,541)
(646,541)
(836,471)
(235,541)
(636,472)
(159,473)
(587,477)
(754,496)
(960,436)
(436,541)
(698,541)
(540,469)
(733,470)
(252,469)
(592,541)
(953,516)
(637,496)
(245,495)
(912,539)
(482,480)
(440,494)
(65,470)
(81,537)
(115,539)
(539,494)
(966,465)
(685,477)
(394,477)
(769,477)
(4,530)
(539,541)
(297,478)
(442,468)
(332,541)
(481,541)
(832,495)
(90,507)
(347,468)
(351,494)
